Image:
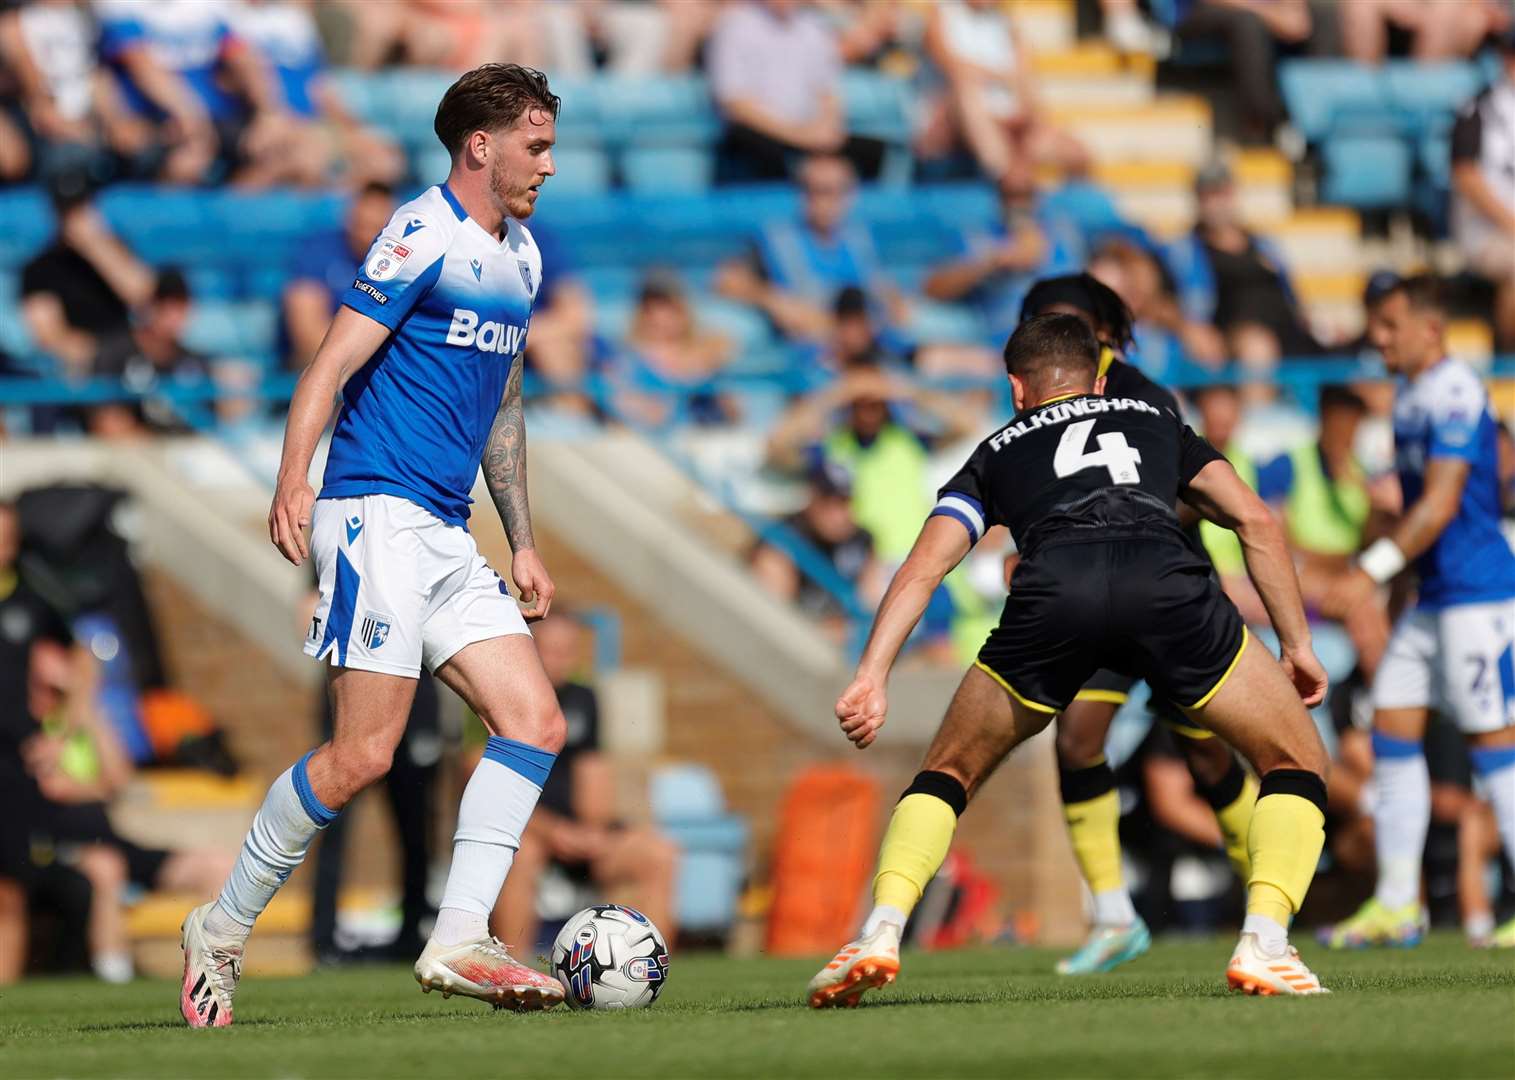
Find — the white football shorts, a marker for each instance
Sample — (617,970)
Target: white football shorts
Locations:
(400,587)
(1459,661)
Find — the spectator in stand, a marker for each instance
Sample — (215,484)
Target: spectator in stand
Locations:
(325,267)
(1220,410)
(576,824)
(564,355)
(60,763)
(149,357)
(1126,29)
(1483,189)
(50,45)
(321,131)
(1439,31)
(868,32)
(195,89)
(873,425)
(28,879)
(1255,32)
(797,267)
(78,291)
(1328,509)
(857,341)
(15,148)
(776,75)
(1237,281)
(998,265)
(825,523)
(1164,341)
(989,104)
(660,377)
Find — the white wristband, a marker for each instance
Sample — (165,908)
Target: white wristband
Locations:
(1382,560)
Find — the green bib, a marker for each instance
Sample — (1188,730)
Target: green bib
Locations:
(1325,516)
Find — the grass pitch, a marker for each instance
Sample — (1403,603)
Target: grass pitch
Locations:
(1441,1010)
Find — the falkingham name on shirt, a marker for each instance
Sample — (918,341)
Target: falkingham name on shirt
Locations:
(1064,411)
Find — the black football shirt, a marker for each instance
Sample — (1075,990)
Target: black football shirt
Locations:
(1038,473)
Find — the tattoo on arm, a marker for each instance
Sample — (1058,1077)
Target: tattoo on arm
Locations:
(505,463)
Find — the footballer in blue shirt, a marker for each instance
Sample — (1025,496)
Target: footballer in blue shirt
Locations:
(426,353)
(1454,651)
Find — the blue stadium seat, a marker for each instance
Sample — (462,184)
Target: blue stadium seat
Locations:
(1366,171)
(688,806)
(876,105)
(666,111)
(1431,92)
(931,322)
(582,170)
(579,114)
(14,338)
(1324,96)
(684,169)
(745,327)
(241,330)
(28,221)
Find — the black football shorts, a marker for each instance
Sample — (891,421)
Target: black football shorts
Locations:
(1138,607)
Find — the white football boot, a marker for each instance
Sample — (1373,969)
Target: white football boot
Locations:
(1253,971)
(865,964)
(484,969)
(211,972)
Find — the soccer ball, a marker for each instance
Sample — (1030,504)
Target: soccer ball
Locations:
(610,957)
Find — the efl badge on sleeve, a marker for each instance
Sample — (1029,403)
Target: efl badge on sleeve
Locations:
(386,260)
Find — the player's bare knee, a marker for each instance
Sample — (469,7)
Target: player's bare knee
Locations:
(1076,746)
(359,764)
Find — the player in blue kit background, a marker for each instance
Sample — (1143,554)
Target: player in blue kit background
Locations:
(1455,650)
(426,352)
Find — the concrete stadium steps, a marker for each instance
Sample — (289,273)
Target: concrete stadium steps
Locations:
(1041,25)
(1473,340)
(1171,127)
(1332,301)
(1092,74)
(1324,239)
(1158,193)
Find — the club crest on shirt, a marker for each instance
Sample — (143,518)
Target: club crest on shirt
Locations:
(525,273)
(386,261)
(374,630)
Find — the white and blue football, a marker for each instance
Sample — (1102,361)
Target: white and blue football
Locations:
(610,957)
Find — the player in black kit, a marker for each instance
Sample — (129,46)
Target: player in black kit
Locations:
(1087,484)
(1086,782)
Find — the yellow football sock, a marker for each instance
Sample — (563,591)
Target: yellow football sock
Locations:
(1094,828)
(1284,842)
(1235,820)
(916,842)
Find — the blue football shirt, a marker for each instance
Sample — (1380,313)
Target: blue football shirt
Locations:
(415,418)
(1445,412)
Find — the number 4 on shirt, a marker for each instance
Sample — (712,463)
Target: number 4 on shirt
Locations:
(1114,453)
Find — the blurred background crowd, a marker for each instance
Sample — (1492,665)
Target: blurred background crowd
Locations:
(784,245)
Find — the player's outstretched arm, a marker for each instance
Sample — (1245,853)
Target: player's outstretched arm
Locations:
(1224,498)
(1427,518)
(348,344)
(504,466)
(941,545)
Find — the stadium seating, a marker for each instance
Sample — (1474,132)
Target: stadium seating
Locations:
(1368,171)
(1353,113)
(688,806)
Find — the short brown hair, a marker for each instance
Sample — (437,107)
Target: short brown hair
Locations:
(491,97)
(1045,342)
(1423,291)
